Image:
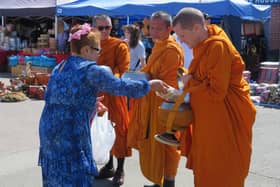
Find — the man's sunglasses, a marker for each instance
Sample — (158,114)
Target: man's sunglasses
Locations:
(101,28)
(98,50)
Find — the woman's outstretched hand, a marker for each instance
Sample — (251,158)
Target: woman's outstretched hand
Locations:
(159,86)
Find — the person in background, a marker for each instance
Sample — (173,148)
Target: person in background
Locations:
(188,55)
(140,24)
(158,162)
(115,55)
(136,47)
(146,38)
(61,37)
(71,100)
(207,18)
(223,111)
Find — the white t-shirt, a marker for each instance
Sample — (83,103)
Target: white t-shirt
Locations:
(188,55)
(135,54)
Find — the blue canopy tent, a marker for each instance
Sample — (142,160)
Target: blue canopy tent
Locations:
(80,8)
(265,2)
(240,8)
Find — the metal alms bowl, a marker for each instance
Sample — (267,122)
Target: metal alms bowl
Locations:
(183,115)
(169,106)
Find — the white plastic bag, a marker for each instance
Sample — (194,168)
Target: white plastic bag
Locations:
(102,138)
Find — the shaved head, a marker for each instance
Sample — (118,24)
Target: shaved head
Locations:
(188,17)
(189,25)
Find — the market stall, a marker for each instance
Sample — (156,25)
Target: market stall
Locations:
(28,45)
(266,91)
(28,29)
(29,37)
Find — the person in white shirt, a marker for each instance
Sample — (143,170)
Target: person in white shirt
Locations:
(136,48)
(188,54)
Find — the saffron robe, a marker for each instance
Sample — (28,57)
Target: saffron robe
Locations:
(223,114)
(156,159)
(115,54)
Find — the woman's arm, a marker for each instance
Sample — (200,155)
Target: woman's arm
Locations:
(103,78)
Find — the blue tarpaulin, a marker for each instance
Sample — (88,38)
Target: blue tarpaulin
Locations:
(240,8)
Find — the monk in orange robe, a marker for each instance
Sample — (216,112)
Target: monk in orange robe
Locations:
(158,162)
(223,112)
(114,54)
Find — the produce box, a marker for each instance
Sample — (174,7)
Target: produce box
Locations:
(42,69)
(19,69)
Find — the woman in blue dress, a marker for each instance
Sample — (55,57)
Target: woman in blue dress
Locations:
(70,103)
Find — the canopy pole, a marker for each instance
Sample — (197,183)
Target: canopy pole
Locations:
(127,20)
(55,27)
(3,21)
(279,67)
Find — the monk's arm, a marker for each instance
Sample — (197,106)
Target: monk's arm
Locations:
(169,64)
(218,71)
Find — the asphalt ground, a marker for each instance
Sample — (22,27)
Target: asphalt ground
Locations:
(19,142)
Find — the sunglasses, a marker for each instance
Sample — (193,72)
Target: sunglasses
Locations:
(101,28)
(98,50)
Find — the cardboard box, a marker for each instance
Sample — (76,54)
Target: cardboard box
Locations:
(19,69)
(42,69)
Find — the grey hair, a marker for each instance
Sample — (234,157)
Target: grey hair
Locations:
(164,16)
(101,17)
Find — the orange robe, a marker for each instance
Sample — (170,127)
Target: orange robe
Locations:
(223,114)
(156,159)
(115,54)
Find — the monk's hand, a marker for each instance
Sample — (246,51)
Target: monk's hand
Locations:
(100,108)
(159,86)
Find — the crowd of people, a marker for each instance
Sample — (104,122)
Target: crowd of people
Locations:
(218,142)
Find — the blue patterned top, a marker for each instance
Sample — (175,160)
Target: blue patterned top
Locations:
(70,102)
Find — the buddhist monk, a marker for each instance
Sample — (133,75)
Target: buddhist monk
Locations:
(114,54)
(223,112)
(159,162)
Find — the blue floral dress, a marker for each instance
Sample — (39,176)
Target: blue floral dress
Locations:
(70,102)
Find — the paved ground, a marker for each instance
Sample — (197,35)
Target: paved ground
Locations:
(19,150)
